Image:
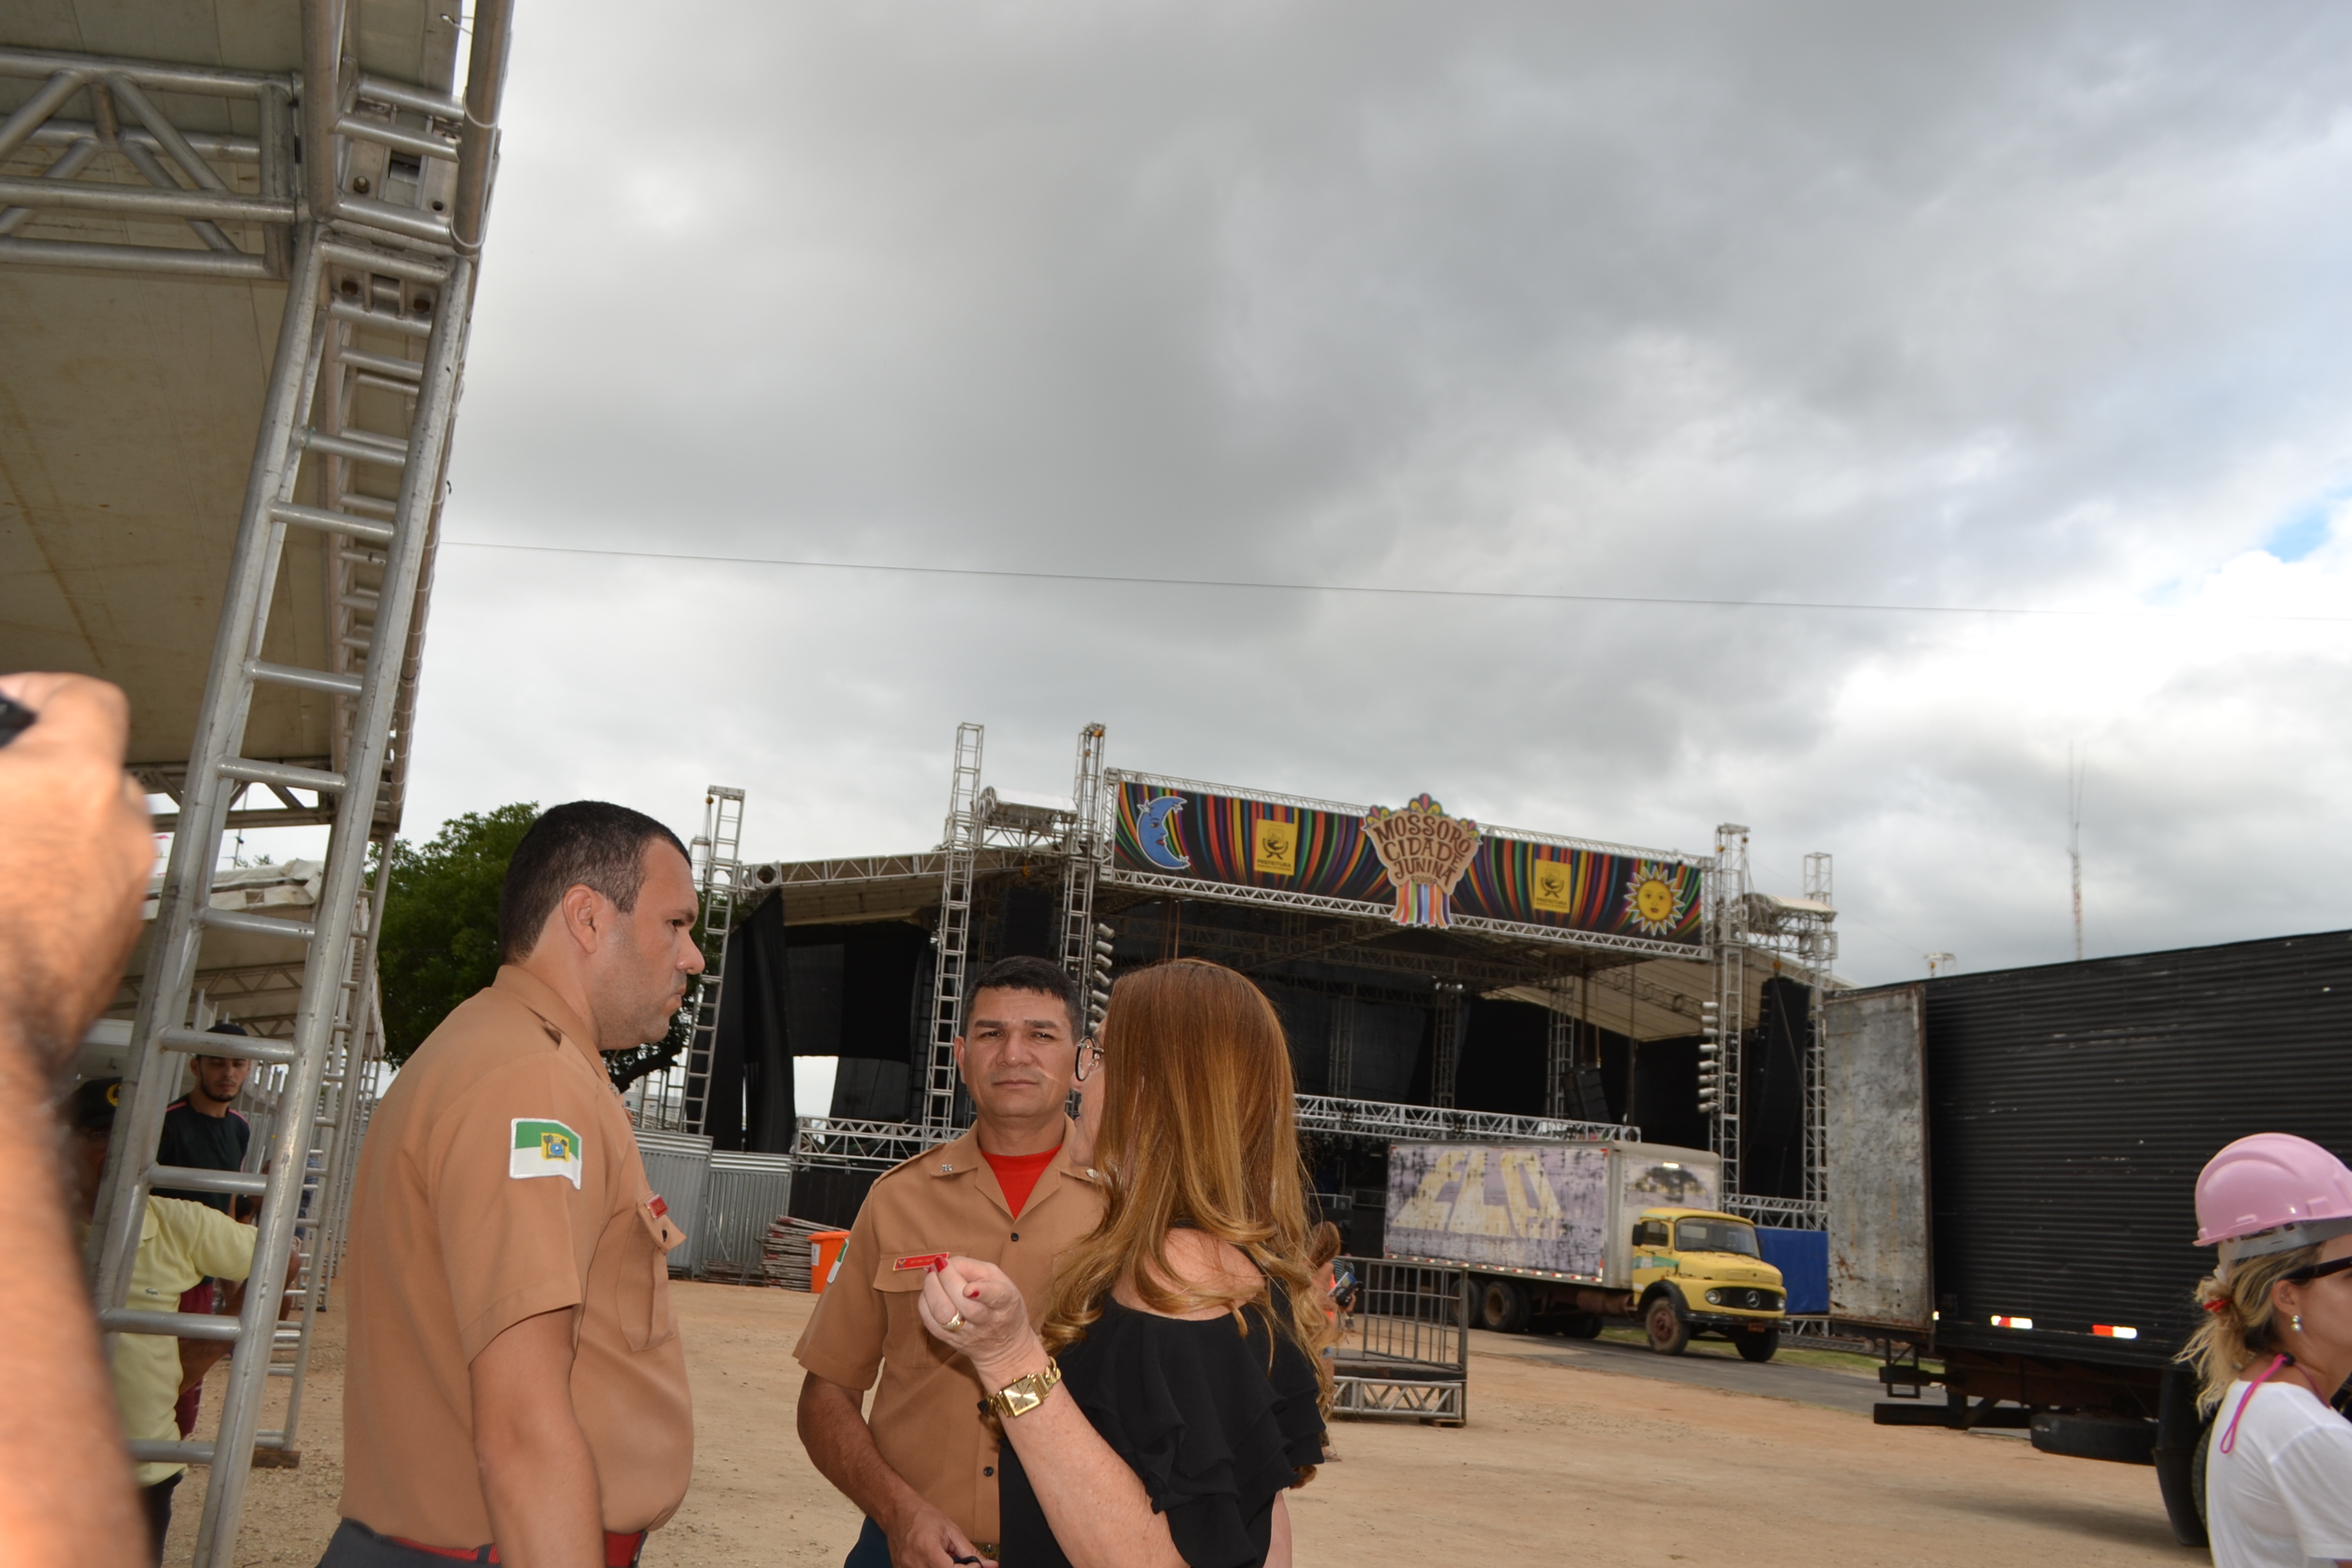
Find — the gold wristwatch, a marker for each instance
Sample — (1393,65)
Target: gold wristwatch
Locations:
(1024,1395)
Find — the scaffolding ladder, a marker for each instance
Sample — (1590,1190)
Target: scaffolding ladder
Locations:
(960,839)
(1089,846)
(718,852)
(353,449)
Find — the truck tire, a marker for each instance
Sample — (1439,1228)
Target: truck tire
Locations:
(1503,1305)
(1668,1329)
(1580,1326)
(1759,1345)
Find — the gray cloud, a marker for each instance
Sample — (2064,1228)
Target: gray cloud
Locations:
(2020,305)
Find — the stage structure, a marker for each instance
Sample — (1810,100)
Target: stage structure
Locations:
(1411,951)
(236,273)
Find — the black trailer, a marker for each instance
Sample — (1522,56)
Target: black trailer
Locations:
(2013,1161)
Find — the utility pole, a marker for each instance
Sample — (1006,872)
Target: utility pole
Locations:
(2075,771)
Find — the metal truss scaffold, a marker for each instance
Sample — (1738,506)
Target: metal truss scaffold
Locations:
(1727,892)
(1445,1052)
(1087,849)
(1380,1119)
(376,242)
(719,869)
(960,840)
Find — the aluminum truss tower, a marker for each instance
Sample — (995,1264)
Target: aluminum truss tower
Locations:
(1446,1053)
(960,840)
(374,231)
(1089,847)
(717,851)
(1721,1068)
(1819,950)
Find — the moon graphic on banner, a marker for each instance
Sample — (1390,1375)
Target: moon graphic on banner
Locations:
(1151,833)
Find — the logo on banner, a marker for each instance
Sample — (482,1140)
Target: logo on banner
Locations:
(1273,848)
(1155,835)
(1551,887)
(1654,898)
(1424,852)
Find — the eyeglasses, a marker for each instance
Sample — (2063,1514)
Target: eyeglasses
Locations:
(2320,1271)
(1089,1058)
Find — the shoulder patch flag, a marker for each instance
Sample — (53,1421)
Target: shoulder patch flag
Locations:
(544,1149)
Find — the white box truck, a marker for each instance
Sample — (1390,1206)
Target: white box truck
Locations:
(1578,1234)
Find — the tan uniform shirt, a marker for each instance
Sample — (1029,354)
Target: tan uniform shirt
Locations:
(926,1416)
(500,1180)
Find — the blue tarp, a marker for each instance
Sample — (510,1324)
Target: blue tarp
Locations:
(1803,1257)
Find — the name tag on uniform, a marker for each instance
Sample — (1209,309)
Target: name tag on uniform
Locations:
(544,1148)
(925,1261)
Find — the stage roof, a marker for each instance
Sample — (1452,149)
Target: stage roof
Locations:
(130,402)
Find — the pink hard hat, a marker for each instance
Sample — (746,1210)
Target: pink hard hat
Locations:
(2272,1192)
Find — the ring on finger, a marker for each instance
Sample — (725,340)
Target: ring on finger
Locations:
(952,1324)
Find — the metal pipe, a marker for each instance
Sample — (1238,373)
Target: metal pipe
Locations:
(203,1043)
(359,451)
(431,269)
(386,135)
(212,80)
(55,133)
(165,131)
(83,257)
(152,169)
(360,315)
(75,159)
(478,148)
(170,1325)
(329,521)
(307,680)
(253,925)
(406,222)
(322,54)
(18,127)
(401,95)
(221,206)
(406,370)
(256,771)
(203,1179)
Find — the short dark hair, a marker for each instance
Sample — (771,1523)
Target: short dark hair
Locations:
(582,843)
(1042,975)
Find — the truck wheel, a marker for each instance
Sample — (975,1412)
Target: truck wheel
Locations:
(1759,1345)
(1669,1331)
(1580,1326)
(1503,1306)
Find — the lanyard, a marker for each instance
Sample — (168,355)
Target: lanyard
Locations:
(2229,1437)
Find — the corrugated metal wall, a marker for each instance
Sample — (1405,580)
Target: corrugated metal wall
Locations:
(745,1192)
(678,1166)
(2071,1107)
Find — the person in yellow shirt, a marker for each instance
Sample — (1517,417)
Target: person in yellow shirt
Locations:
(180,1243)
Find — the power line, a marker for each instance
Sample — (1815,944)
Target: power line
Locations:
(1667,600)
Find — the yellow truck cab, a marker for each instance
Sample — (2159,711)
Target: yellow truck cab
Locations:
(1696,1272)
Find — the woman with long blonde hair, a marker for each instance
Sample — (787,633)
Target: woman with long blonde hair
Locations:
(1175,1389)
(2274,1351)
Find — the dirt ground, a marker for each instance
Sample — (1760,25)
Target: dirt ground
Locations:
(1560,1463)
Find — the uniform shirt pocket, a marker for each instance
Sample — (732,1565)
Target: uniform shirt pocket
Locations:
(904,1340)
(641,1302)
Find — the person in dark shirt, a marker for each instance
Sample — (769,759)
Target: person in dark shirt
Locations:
(202,1132)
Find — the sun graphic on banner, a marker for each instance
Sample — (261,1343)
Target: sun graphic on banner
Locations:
(1654,900)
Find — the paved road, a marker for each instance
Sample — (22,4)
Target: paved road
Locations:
(1834,1389)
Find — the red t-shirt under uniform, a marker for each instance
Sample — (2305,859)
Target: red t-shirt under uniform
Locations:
(1018,1173)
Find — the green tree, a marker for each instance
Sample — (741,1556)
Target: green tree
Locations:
(440,942)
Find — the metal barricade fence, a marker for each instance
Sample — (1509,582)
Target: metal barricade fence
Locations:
(678,1166)
(1404,1354)
(747,1193)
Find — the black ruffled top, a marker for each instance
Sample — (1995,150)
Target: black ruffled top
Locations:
(1215,1422)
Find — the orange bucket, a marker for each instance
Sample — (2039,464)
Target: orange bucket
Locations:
(824,1257)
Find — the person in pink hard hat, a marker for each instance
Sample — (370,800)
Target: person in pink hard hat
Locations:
(2274,1351)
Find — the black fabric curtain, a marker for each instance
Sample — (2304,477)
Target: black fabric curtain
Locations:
(751,1105)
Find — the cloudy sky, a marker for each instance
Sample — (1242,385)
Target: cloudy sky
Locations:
(2029,308)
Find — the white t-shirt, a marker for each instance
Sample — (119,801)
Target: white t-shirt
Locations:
(2283,1497)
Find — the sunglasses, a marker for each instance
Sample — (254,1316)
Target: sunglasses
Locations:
(2320,1271)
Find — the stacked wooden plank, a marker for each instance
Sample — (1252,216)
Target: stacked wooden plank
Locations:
(789,1250)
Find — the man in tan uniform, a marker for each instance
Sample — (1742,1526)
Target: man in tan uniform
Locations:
(516,1392)
(1015,1191)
